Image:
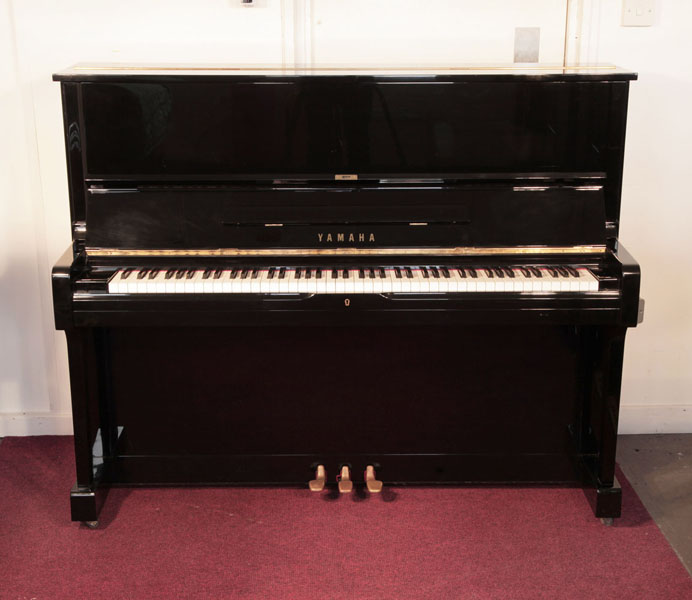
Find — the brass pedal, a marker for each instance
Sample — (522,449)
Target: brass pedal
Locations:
(345,483)
(317,484)
(374,485)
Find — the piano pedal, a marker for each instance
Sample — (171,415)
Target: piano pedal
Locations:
(317,484)
(344,479)
(374,485)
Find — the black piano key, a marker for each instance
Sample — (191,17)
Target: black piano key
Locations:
(299,272)
(272,272)
(345,273)
(361,274)
(255,273)
(562,271)
(409,273)
(445,272)
(206,274)
(308,273)
(318,273)
(170,273)
(335,274)
(371,273)
(397,272)
(190,274)
(234,273)
(382,273)
(425,272)
(525,272)
(536,271)
(142,274)
(472,272)
(509,271)
(499,272)
(572,271)
(553,271)
(127,272)
(218,273)
(244,273)
(180,274)
(153,273)
(462,272)
(435,272)
(282,273)
(489,272)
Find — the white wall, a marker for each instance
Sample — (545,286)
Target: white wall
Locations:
(657,210)
(38,37)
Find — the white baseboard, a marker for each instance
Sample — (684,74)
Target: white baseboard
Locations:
(667,418)
(44,423)
(659,418)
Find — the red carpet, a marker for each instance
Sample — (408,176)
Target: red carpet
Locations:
(280,543)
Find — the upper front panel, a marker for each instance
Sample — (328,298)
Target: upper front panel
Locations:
(318,128)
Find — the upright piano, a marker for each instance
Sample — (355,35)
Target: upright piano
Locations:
(319,276)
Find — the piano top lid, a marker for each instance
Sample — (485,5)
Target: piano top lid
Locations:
(90,72)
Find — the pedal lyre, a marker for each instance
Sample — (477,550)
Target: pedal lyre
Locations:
(374,485)
(317,484)
(345,483)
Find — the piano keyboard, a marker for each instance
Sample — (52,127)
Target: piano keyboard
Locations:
(365,280)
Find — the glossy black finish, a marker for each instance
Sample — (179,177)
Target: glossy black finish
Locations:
(477,388)
(311,216)
(314,128)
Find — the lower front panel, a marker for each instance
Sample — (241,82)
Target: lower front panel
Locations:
(265,405)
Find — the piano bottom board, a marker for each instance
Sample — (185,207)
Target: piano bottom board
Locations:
(265,405)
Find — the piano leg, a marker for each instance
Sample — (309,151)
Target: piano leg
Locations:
(93,439)
(597,439)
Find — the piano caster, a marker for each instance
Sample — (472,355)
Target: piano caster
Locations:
(607,521)
(345,483)
(317,484)
(91,524)
(374,485)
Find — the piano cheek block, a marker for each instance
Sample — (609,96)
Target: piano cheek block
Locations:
(423,302)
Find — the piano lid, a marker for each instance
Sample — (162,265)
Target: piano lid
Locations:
(84,72)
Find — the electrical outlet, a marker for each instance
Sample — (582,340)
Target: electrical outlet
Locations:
(637,13)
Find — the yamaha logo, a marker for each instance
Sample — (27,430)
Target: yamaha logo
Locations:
(345,237)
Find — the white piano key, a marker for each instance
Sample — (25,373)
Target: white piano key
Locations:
(397,282)
(256,282)
(321,283)
(377,283)
(231,284)
(245,284)
(262,283)
(456,283)
(330,281)
(274,283)
(312,282)
(208,283)
(292,287)
(357,284)
(218,283)
(433,282)
(388,286)
(284,281)
(189,283)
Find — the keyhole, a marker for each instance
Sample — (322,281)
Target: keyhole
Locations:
(347,302)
